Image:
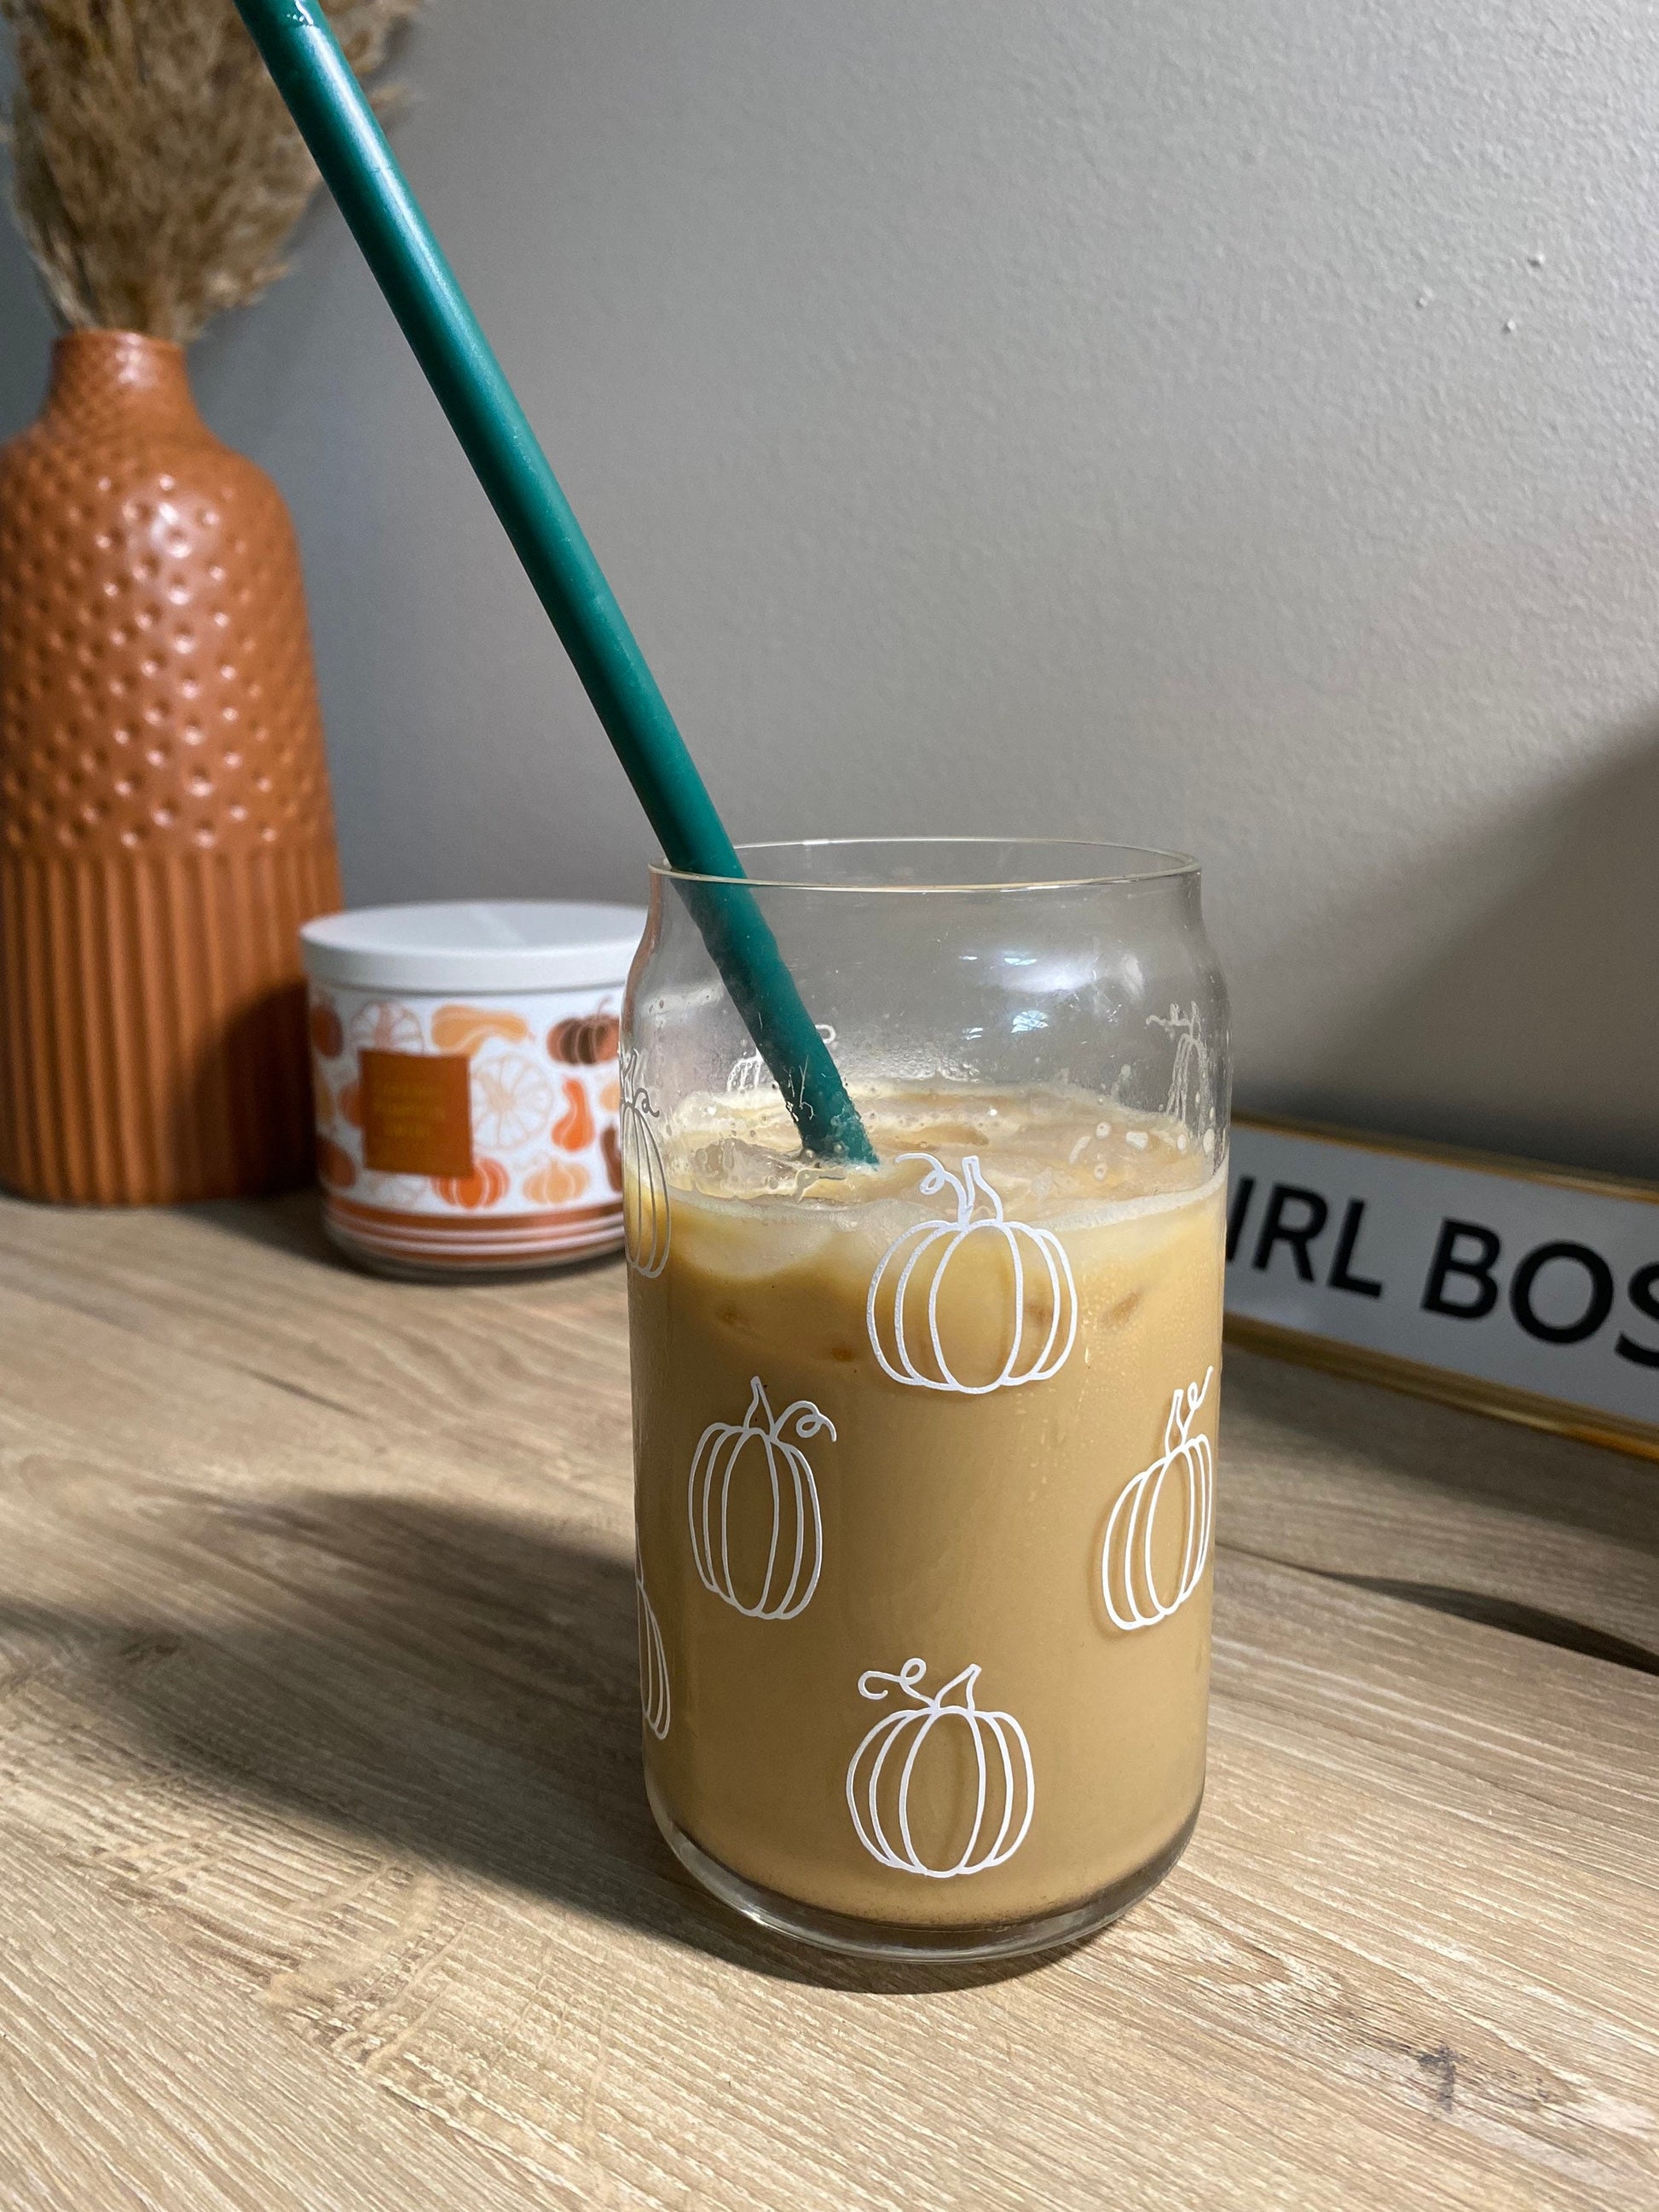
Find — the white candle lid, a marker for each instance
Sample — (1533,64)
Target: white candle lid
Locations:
(474,944)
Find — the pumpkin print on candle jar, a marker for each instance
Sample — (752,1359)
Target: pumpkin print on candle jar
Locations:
(485,1184)
(463,1029)
(454,1139)
(512,1101)
(585,1040)
(327,1030)
(553,1182)
(573,1132)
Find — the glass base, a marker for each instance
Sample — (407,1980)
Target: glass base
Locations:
(874,1939)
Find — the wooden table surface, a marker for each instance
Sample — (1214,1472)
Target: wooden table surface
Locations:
(329,1880)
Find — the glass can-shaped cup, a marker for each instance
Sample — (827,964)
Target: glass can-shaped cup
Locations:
(925,1451)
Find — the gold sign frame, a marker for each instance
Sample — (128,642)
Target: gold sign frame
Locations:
(1417,1378)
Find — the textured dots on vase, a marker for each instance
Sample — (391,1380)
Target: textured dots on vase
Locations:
(105,587)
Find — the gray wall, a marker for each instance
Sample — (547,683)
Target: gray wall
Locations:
(1229,425)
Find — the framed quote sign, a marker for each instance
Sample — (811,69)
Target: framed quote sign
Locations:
(1531,1292)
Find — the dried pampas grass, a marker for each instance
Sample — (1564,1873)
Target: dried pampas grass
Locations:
(157,176)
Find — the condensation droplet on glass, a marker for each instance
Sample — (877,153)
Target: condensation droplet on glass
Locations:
(1209,1143)
(1139,1139)
(1104,1128)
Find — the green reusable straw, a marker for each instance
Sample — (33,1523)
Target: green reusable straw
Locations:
(349,147)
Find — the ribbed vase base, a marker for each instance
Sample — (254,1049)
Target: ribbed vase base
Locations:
(152,1023)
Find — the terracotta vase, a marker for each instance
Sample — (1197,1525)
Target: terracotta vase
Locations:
(165,825)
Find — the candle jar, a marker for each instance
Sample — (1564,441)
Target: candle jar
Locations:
(925,1451)
(464,1061)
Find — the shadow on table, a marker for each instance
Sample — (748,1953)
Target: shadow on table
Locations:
(1431,1457)
(1328,1421)
(459,1687)
(293,1223)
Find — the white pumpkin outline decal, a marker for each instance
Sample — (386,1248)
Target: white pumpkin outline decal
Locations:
(969,1187)
(645,1190)
(1126,1582)
(749,1072)
(1017,1793)
(655,1702)
(1190,1073)
(720,1448)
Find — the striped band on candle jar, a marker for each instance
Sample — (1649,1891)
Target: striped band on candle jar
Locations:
(464,1059)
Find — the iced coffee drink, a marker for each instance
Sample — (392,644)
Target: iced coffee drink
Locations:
(925,1424)
(926,1490)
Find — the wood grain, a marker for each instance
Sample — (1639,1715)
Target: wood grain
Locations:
(330,1879)
(126,2076)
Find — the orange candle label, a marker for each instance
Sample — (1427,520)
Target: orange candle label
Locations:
(417,1112)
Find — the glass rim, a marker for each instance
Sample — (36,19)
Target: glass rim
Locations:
(1145,864)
